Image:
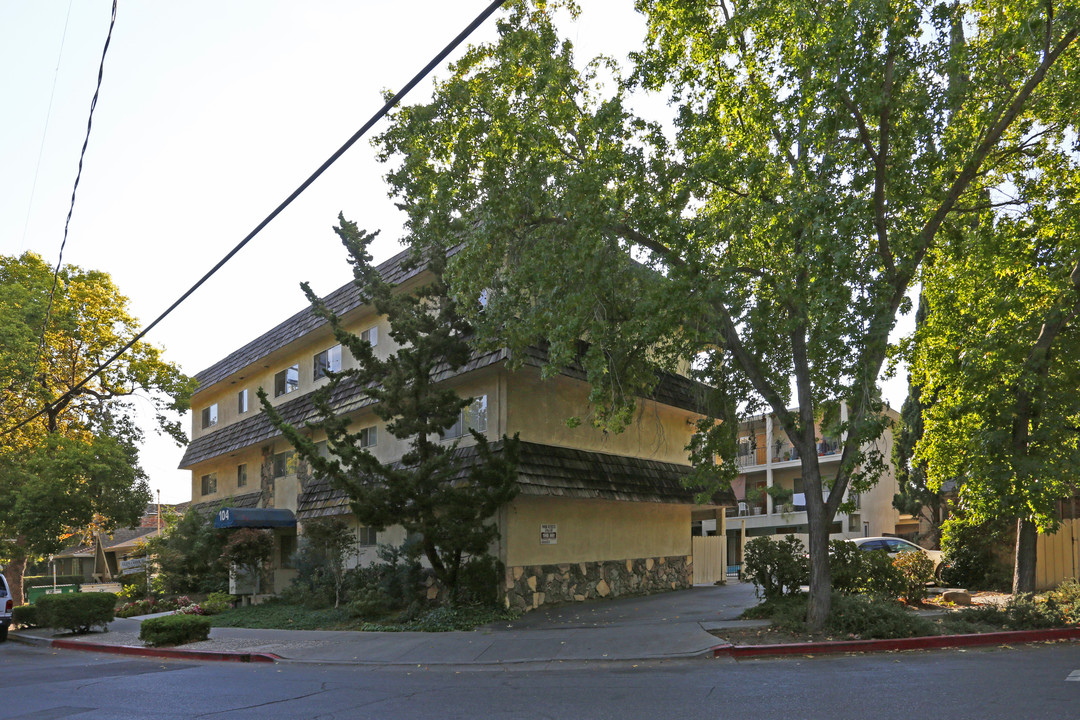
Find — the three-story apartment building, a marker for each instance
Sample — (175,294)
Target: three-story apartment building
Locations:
(597,514)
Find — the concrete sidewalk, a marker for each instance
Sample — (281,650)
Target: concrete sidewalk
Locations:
(670,625)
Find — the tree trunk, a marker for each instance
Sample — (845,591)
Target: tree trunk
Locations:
(15,570)
(1026,556)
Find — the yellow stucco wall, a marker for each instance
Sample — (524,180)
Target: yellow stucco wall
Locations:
(593,530)
(539,409)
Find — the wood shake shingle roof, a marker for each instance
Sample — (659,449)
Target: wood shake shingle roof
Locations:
(549,470)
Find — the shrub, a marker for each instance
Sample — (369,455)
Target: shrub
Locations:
(135,608)
(380,589)
(917,569)
(218,602)
(192,609)
(971,558)
(776,568)
(859,617)
(1066,597)
(478,582)
(25,616)
(882,580)
(77,612)
(174,630)
(848,567)
(1019,613)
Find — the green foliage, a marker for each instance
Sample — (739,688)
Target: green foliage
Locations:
(218,602)
(972,555)
(392,587)
(882,579)
(448,619)
(250,550)
(30,581)
(76,467)
(435,490)
(776,567)
(847,566)
(189,556)
(277,614)
(326,546)
(853,617)
(917,570)
(77,612)
(1020,613)
(24,615)
(171,630)
(813,154)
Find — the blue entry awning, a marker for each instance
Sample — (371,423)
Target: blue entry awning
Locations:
(231,517)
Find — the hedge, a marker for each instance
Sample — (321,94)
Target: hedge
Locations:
(47,580)
(25,616)
(174,630)
(77,612)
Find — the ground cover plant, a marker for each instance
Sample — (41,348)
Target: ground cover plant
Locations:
(284,616)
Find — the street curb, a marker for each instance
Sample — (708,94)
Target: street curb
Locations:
(215,655)
(739,652)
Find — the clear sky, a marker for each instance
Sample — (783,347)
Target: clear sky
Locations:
(210,114)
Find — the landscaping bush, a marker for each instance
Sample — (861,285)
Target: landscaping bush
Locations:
(174,630)
(77,612)
(25,616)
(882,580)
(917,569)
(1066,597)
(855,616)
(218,602)
(478,582)
(391,586)
(777,568)
(1019,613)
(847,566)
(971,559)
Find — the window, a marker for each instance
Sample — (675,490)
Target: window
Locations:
(209,416)
(209,484)
(242,401)
(472,417)
(286,381)
(366,536)
(327,360)
(371,336)
(369,436)
(241,475)
(284,464)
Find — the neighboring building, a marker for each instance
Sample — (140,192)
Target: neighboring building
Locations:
(75,560)
(598,514)
(120,553)
(766,458)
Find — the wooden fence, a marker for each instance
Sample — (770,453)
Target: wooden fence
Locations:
(1058,555)
(710,559)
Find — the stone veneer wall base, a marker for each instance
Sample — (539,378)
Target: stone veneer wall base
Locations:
(529,586)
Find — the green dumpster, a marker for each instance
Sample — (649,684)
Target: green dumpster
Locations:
(33,593)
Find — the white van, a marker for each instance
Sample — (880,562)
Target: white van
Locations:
(6,604)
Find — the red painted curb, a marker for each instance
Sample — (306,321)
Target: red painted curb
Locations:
(167,653)
(915,643)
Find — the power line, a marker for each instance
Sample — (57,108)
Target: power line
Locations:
(74,189)
(45,130)
(479,20)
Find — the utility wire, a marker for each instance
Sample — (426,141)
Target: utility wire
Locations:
(45,130)
(479,20)
(71,208)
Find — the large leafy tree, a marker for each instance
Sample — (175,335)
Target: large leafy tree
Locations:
(813,154)
(1000,351)
(75,466)
(432,491)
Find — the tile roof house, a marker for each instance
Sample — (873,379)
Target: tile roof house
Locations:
(597,514)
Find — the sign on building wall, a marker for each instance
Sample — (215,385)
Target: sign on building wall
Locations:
(549,534)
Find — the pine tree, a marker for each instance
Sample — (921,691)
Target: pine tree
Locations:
(442,495)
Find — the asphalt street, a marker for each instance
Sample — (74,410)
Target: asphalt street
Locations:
(1022,682)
